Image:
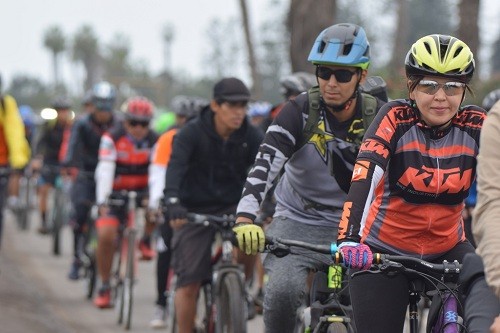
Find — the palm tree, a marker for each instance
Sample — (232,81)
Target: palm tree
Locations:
(86,50)
(55,41)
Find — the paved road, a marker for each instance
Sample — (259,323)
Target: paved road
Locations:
(36,296)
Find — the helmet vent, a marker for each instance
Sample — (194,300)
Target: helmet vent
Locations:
(428,48)
(322,47)
(457,52)
(347,49)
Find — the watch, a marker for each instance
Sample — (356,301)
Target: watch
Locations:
(173,201)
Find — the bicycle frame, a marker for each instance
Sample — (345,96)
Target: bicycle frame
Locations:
(226,274)
(447,318)
(333,316)
(127,258)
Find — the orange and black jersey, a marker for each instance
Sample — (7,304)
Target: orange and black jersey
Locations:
(409,182)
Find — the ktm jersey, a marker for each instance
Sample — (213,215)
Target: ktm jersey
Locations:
(131,158)
(410,181)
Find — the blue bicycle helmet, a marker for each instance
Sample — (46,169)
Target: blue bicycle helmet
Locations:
(259,109)
(104,96)
(341,44)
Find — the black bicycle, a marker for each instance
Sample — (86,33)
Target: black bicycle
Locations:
(61,210)
(88,248)
(436,282)
(328,309)
(222,302)
(27,198)
(124,272)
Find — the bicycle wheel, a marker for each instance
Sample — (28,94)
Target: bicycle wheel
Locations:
(56,223)
(230,305)
(204,322)
(90,276)
(23,208)
(171,320)
(128,283)
(337,328)
(118,297)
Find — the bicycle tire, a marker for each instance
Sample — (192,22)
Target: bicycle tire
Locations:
(171,320)
(119,301)
(90,277)
(128,283)
(23,209)
(230,304)
(337,328)
(56,224)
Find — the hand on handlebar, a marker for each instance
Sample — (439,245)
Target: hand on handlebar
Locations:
(176,213)
(251,238)
(356,255)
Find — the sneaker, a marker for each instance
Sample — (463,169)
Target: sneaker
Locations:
(74,272)
(103,299)
(251,312)
(13,203)
(43,230)
(159,317)
(147,253)
(259,301)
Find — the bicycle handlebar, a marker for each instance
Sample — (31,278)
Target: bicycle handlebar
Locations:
(225,221)
(281,247)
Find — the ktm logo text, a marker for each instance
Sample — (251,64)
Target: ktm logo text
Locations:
(436,180)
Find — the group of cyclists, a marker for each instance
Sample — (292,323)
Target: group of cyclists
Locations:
(331,164)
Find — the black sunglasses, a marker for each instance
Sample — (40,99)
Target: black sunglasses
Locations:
(135,123)
(341,75)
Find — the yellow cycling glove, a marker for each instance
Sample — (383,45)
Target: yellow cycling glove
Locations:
(251,238)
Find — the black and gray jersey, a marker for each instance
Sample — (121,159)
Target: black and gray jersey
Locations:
(315,176)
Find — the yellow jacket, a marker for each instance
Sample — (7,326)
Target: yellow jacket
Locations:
(14,147)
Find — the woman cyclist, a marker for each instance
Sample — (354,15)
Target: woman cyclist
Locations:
(412,174)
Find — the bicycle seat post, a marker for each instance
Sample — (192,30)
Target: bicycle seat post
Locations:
(132,204)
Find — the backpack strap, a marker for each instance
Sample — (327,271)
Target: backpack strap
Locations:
(369,108)
(311,125)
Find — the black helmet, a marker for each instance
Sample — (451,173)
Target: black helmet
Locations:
(104,96)
(490,99)
(188,106)
(61,103)
(296,83)
(440,55)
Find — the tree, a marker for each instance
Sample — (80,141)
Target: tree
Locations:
(223,48)
(30,91)
(400,48)
(306,19)
(468,29)
(116,59)
(86,50)
(252,60)
(55,41)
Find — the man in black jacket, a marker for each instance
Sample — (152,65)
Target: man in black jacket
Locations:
(210,160)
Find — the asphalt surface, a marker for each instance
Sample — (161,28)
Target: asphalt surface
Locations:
(36,295)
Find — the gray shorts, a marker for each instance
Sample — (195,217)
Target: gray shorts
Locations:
(191,254)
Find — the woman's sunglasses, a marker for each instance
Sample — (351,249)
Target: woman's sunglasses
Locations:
(430,87)
(341,75)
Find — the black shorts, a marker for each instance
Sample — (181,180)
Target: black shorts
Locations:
(48,175)
(191,254)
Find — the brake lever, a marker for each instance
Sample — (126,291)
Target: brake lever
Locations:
(279,250)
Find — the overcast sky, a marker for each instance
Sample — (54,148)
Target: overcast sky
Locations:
(23,23)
